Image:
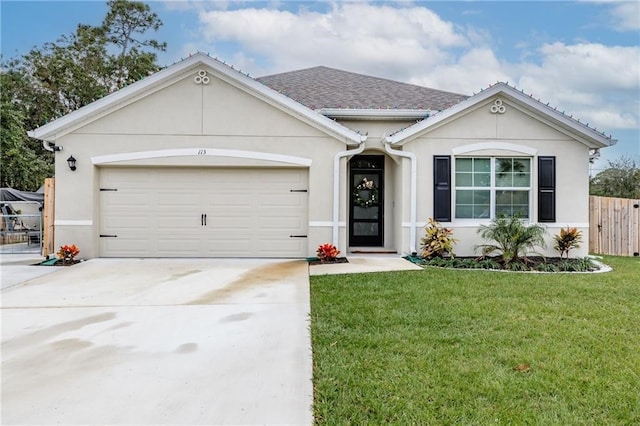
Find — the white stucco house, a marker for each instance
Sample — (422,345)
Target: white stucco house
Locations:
(200,160)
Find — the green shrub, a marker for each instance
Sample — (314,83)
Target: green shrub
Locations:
(587,264)
(546,267)
(489,264)
(438,261)
(577,265)
(539,264)
(464,263)
(516,266)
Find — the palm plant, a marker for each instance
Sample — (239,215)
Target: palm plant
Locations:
(511,238)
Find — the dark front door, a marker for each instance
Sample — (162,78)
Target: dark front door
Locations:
(366,206)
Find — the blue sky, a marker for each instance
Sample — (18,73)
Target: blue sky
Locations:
(583,57)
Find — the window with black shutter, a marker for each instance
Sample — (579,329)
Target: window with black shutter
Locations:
(546,189)
(442,188)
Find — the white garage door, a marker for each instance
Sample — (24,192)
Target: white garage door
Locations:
(198,212)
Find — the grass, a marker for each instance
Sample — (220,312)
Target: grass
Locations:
(476,347)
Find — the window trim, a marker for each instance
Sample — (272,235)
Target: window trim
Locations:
(492,188)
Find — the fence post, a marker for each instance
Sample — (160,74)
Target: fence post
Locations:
(48,214)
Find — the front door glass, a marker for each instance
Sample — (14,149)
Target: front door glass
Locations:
(366,201)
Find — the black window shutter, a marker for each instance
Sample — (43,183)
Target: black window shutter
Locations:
(546,189)
(442,188)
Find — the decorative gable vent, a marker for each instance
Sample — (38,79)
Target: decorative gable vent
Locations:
(497,107)
(201,78)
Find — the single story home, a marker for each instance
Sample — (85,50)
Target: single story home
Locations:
(201,160)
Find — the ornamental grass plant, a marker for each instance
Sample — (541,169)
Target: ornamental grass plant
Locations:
(511,239)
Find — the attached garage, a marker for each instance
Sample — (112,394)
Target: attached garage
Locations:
(203,212)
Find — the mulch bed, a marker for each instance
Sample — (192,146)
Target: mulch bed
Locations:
(531,263)
(58,262)
(316,261)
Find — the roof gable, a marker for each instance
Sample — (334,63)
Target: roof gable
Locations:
(322,88)
(101,107)
(554,118)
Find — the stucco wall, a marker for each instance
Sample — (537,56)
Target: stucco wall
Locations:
(185,115)
(516,132)
(182,115)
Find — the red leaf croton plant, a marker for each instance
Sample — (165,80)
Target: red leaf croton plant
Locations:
(68,253)
(327,252)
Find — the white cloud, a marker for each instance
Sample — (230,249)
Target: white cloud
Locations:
(626,15)
(474,70)
(410,43)
(597,83)
(610,118)
(382,40)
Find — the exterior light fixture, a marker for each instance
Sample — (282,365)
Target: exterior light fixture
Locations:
(52,147)
(72,163)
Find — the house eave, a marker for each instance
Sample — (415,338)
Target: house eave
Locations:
(375,114)
(63,125)
(579,131)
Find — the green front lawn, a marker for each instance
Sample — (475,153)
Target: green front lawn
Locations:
(475,347)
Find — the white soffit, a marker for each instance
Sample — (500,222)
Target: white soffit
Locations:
(375,114)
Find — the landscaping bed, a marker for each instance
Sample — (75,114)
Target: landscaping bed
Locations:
(58,262)
(533,263)
(317,261)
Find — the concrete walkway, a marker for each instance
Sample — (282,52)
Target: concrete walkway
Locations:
(365,263)
(18,268)
(194,341)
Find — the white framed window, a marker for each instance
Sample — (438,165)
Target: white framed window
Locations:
(488,187)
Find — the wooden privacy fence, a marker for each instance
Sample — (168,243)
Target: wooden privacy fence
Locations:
(614,226)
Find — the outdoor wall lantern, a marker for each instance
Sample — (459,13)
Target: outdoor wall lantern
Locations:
(72,163)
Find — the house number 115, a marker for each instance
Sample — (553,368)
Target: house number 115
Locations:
(202,152)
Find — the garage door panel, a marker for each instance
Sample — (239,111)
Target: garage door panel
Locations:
(184,200)
(272,249)
(276,224)
(130,223)
(225,197)
(156,212)
(178,219)
(230,229)
(278,200)
(125,249)
(178,247)
(127,199)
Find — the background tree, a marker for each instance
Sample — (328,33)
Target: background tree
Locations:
(69,73)
(22,167)
(123,26)
(621,179)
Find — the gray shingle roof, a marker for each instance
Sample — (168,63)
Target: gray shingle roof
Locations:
(323,87)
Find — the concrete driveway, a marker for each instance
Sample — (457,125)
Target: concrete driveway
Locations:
(158,341)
